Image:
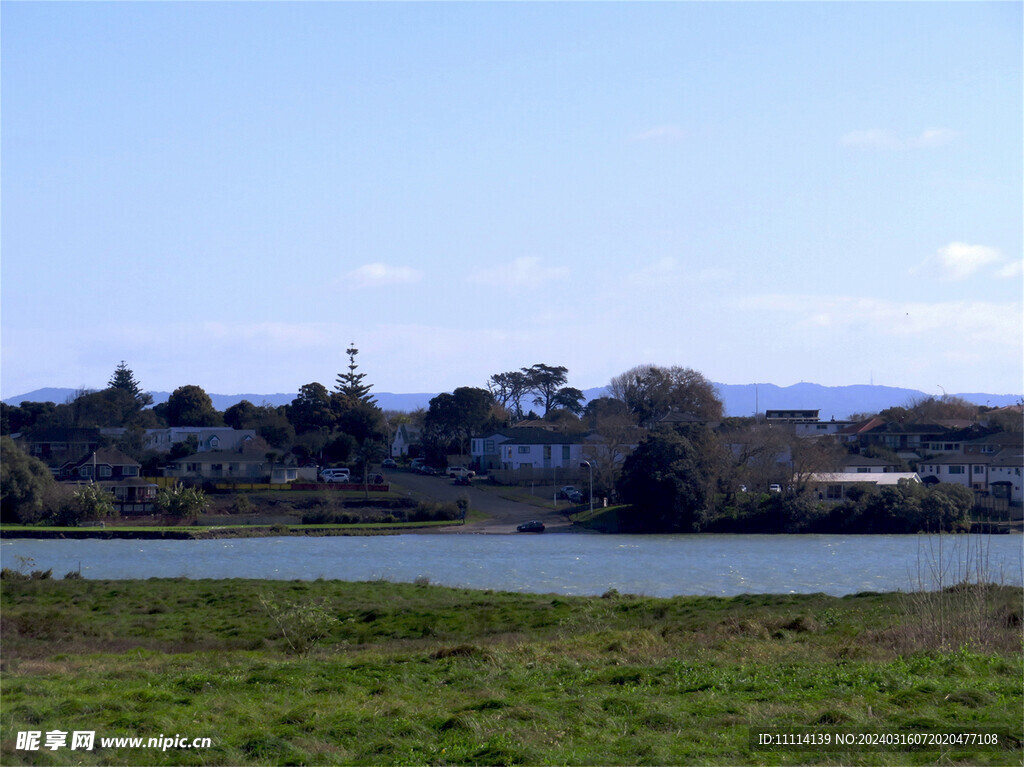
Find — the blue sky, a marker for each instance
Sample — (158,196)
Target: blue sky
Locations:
(227,194)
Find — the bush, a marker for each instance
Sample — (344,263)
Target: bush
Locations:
(434,511)
(180,501)
(327,516)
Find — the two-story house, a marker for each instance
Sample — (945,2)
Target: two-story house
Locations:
(116,473)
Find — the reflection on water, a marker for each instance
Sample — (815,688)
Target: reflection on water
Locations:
(656,565)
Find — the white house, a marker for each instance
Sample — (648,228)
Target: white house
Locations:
(550,451)
(971,471)
(405,436)
(832,486)
(208,438)
(998,474)
(1004,475)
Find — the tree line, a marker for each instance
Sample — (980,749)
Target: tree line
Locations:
(659,440)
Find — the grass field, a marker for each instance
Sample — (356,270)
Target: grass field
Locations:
(329,672)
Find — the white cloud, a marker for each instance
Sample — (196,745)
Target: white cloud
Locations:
(671,269)
(660,133)
(523,272)
(930,138)
(958,260)
(369,275)
(945,324)
(1011,270)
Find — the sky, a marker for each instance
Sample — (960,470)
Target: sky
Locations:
(229,194)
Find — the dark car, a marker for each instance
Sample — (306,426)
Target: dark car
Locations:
(533,526)
(462,481)
(389,463)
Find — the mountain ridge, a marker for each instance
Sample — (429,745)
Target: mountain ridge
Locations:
(833,402)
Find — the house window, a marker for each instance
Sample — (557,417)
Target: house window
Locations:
(565,452)
(979,469)
(105,471)
(214,442)
(489,446)
(863,470)
(834,492)
(547,452)
(192,467)
(85,471)
(524,449)
(129,471)
(956,469)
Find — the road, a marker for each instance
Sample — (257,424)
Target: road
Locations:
(503,514)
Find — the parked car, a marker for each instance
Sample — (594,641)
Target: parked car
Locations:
(463,481)
(566,490)
(533,526)
(774,488)
(574,497)
(336,475)
(389,463)
(416,463)
(460,471)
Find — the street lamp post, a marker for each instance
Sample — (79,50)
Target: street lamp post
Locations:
(590,466)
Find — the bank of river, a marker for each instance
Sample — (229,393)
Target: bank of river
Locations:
(655,565)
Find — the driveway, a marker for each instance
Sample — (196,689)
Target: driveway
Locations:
(503,514)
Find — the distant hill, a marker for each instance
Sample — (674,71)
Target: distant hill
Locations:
(837,402)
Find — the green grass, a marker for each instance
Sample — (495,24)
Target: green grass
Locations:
(383,673)
(605,519)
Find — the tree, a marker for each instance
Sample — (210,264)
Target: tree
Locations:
(311,410)
(364,423)
(123,379)
(570,399)
(23,482)
(266,420)
(508,389)
(663,481)
(351,384)
(651,391)
(614,435)
(453,418)
(191,406)
(24,416)
(545,381)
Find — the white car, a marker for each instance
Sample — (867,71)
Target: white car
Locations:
(336,475)
(460,472)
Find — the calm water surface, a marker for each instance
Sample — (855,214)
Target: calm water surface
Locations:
(656,565)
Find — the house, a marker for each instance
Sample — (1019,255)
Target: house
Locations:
(539,449)
(862,464)
(116,473)
(222,466)
(57,445)
(911,437)
(791,416)
(969,471)
(485,452)
(1004,475)
(820,428)
(406,436)
(208,438)
(999,474)
(992,444)
(833,486)
(100,465)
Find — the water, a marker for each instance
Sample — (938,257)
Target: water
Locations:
(655,565)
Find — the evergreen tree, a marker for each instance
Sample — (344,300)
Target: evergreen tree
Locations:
(124,380)
(350,385)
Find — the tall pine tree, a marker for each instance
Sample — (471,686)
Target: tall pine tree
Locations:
(350,384)
(124,380)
